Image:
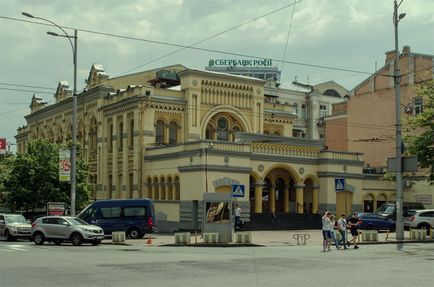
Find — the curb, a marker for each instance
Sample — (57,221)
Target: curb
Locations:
(225,245)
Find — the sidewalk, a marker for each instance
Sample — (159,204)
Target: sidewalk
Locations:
(270,238)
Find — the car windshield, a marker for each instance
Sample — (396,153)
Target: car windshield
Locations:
(76,221)
(15,219)
(386,209)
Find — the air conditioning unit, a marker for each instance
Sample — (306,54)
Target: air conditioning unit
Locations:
(211,237)
(182,238)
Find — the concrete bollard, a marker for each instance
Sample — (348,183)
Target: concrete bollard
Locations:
(211,237)
(418,234)
(243,237)
(182,238)
(118,237)
(370,235)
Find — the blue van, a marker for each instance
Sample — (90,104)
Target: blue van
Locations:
(134,216)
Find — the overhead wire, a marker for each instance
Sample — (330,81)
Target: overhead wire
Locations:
(287,36)
(213,36)
(197,48)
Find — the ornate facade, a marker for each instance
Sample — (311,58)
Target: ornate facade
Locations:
(172,134)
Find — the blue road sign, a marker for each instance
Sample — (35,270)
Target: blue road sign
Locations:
(238,190)
(339,184)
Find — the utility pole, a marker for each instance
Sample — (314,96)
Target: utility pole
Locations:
(397,82)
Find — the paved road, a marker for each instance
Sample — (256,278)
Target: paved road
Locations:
(24,264)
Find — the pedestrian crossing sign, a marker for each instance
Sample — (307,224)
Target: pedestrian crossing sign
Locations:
(339,184)
(238,190)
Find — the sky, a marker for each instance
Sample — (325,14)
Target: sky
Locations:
(345,34)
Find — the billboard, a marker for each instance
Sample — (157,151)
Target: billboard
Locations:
(64,165)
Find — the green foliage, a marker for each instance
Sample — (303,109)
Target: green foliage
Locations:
(32,179)
(420,140)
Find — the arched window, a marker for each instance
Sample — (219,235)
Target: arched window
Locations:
(295,106)
(173,133)
(209,132)
(159,132)
(110,137)
(276,133)
(303,111)
(131,134)
(222,129)
(120,132)
(266,132)
(235,129)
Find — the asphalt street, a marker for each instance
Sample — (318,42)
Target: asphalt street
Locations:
(25,264)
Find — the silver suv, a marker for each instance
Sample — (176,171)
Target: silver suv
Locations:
(423,219)
(59,229)
(13,226)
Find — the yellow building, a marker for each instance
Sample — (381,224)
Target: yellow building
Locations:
(172,134)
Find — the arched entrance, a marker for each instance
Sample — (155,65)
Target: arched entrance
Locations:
(275,192)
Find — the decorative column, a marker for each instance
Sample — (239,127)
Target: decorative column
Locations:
(258,196)
(299,198)
(272,197)
(286,198)
(315,196)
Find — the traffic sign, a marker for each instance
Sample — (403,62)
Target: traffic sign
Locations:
(339,184)
(238,190)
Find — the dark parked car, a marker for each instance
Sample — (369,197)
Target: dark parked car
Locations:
(374,221)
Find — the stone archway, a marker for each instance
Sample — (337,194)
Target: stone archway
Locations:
(279,190)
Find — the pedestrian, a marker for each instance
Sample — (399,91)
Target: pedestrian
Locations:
(352,222)
(326,234)
(333,226)
(238,211)
(342,228)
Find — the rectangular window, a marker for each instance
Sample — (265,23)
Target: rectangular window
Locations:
(134,211)
(323,111)
(111,212)
(418,106)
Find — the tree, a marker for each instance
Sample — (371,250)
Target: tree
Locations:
(420,140)
(33,179)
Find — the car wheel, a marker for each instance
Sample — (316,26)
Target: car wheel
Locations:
(134,233)
(57,242)
(38,238)
(96,242)
(392,228)
(76,239)
(369,227)
(8,236)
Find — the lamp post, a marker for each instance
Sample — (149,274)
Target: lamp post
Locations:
(74,104)
(397,79)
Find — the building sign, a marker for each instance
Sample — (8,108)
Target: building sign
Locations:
(64,165)
(2,146)
(55,208)
(424,198)
(238,190)
(339,184)
(240,63)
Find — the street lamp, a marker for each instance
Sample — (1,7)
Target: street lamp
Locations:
(74,104)
(397,78)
